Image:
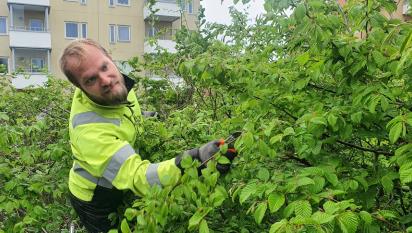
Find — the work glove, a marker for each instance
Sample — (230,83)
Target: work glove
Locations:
(205,153)
(147,114)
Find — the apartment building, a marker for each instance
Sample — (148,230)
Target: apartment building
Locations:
(33,33)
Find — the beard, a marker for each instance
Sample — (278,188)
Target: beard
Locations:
(111,97)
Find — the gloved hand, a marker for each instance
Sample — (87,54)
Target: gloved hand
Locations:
(206,152)
(147,114)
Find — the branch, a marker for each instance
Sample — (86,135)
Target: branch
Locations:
(365,149)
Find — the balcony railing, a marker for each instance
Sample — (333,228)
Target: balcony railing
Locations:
(28,29)
(162,34)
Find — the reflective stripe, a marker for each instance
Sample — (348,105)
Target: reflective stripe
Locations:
(151,174)
(117,161)
(111,170)
(92,117)
(85,174)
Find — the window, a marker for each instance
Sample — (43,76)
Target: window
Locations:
(123,33)
(75,30)
(36,25)
(37,64)
(190,7)
(123,2)
(84,30)
(4,64)
(3,25)
(83,2)
(405,9)
(111,3)
(112,33)
(72,30)
(153,31)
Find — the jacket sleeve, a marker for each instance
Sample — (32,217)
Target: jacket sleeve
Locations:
(103,154)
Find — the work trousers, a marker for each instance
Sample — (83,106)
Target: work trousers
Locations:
(94,214)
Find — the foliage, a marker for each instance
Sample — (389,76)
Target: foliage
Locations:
(322,98)
(321,94)
(34,158)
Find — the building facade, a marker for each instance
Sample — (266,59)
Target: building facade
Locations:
(33,33)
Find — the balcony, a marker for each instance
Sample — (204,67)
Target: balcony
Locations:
(31,66)
(29,26)
(168,11)
(164,36)
(30,2)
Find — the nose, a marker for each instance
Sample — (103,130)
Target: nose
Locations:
(105,80)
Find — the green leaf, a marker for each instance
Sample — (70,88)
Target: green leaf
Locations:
(203,228)
(288,131)
(260,212)
(322,217)
(130,213)
(223,160)
(303,58)
(278,226)
(395,132)
(303,208)
(300,12)
(275,201)
(125,227)
(405,175)
(348,222)
(356,117)
(387,184)
(276,138)
(198,216)
(304,181)
(332,178)
(248,139)
(332,119)
(248,190)
(366,217)
(263,174)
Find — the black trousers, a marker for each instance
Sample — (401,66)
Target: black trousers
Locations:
(94,214)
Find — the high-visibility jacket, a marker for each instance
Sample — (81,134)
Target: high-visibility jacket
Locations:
(101,140)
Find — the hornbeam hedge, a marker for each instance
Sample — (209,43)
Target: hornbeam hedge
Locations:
(320,92)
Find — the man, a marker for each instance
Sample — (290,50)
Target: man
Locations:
(105,120)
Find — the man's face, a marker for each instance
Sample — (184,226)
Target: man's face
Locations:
(99,78)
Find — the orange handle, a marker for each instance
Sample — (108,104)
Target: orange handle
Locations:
(221,142)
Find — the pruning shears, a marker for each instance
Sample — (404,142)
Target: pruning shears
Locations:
(230,141)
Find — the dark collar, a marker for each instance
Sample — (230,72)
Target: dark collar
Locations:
(129,83)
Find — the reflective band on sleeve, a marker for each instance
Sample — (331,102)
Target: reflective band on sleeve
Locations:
(85,174)
(151,174)
(92,117)
(117,161)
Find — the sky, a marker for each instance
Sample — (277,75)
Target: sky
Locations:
(218,12)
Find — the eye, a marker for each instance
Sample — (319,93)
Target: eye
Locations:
(90,81)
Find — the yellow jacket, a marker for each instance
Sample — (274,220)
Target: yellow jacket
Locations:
(101,140)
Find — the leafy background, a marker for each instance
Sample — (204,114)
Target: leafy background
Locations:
(321,95)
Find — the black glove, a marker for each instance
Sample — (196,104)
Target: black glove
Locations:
(147,114)
(205,153)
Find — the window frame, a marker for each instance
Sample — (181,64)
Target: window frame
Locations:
(5,26)
(79,30)
(65,30)
(190,10)
(7,63)
(112,3)
(41,28)
(83,34)
(121,4)
(112,26)
(83,2)
(41,61)
(129,31)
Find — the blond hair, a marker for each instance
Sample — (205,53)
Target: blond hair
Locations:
(77,50)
